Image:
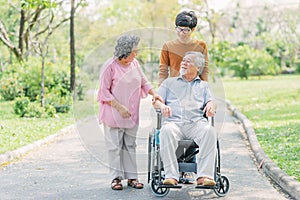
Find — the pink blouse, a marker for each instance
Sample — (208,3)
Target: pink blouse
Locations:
(126,84)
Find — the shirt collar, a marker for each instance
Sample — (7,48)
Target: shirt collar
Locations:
(195,79)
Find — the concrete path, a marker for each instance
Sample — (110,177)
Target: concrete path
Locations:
(75,166)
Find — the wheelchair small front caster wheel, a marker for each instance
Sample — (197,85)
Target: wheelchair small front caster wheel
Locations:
(223,186)
(158,191)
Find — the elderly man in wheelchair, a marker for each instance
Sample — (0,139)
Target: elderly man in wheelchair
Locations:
(188,102)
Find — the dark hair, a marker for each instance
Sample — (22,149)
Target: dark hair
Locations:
(186,19)
(124,45)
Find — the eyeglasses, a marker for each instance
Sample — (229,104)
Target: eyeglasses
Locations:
(184,30)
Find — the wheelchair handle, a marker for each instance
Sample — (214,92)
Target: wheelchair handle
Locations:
(159,116)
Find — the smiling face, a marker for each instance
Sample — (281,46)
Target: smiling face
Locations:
(126,61)
(187,66)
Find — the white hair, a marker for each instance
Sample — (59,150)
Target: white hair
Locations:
(199,60)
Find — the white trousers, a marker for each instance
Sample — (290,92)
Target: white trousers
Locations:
(121,147)
(204,136)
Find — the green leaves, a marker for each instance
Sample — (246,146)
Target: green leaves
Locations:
(32,4)
(243,60)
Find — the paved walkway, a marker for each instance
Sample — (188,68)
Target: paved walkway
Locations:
(74,167)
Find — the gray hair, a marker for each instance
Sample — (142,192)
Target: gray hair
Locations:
(124,45)
(199,60)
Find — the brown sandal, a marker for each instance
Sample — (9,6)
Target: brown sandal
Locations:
(116,184)
(134,183)
(205,181)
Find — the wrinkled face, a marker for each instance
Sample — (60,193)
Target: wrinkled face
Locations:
(187,66)
(183,32)
(132,55)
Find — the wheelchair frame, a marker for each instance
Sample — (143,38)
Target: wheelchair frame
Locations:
(184,156)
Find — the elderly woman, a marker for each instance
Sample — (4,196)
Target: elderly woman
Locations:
(122,85)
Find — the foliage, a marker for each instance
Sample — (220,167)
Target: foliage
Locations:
(61,104)
(284,52)
(37,3)
(10,87)
(57,83)
(26,108)
(34,109)
(243,60)
(273,108)
(21,105)
(220,54)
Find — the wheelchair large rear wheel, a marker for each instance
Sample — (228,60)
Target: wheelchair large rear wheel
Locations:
(223,186)
(158,191)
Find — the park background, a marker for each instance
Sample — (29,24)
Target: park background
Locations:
(51,53)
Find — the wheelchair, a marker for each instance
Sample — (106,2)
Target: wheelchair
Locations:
(186,152)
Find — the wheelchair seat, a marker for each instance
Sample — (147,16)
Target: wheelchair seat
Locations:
(186,151)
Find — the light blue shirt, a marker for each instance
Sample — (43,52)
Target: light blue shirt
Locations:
(186,99)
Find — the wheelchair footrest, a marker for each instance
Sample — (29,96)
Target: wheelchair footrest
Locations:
(206,187)
(170,186)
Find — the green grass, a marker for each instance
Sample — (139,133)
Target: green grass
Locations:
(272,104)
(16,132)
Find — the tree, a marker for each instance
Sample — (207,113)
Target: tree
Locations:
(38,20)
(72,47)
(32,23)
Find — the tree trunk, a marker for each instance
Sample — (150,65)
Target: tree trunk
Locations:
(43,82)
(72,48)
(21,30)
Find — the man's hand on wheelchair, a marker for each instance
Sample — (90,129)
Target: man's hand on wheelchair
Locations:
(210,109)
(166,111)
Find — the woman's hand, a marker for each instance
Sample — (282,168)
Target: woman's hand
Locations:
(157,97)
(124,112)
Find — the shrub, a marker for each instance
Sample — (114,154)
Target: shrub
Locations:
(21,105)
(50,110)
(10,87)
(56,79)
(243,59)
(34,109)
(61,104)
(25,108)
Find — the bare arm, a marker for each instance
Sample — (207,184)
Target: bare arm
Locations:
(124,112)
(155,96)
(165,110)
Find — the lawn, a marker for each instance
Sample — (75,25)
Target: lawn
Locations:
(16,132)
(272,104)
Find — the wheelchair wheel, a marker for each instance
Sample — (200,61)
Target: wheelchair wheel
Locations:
(223,186)
(158,191)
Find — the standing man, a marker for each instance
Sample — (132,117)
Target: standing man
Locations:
(173,51)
